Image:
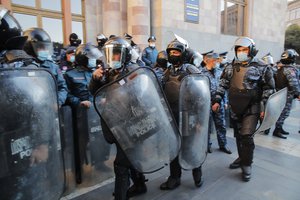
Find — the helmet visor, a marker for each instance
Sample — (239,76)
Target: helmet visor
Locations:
(244,42)
(115,56)
(42,46)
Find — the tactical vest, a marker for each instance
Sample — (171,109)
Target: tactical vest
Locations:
(17,59)
(240,98)
(280,79)
(172,82)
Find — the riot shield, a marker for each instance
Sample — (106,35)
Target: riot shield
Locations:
(135,110)
(194,111)
(273,109)
(30,146)
(92,151)
(66,124)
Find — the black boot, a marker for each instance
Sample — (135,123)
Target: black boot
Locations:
(139,187)
(266,132)
(170,184)
(246,173)
(283,132)
(235,164)
(278,133)
(197,176)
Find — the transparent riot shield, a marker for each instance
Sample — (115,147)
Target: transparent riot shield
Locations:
(194,111)
(273,109)
(31,158)
(67,137)
(94,160)
(135,110)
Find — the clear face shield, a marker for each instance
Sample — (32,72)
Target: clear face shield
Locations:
(43,50)
(115,56)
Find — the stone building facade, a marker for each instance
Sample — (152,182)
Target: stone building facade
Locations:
(262,20)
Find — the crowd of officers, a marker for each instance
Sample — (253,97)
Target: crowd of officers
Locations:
(241,86)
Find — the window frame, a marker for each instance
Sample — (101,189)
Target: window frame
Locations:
(40,12)
(240,25)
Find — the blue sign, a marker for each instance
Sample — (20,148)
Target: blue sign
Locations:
(191,11)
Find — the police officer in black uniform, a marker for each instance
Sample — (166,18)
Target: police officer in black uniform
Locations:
(286,76)
(249,83)
(12,42)
(39,45)
(176,72)
(118,54)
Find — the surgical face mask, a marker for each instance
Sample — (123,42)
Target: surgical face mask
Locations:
(242,56)
(151,44)
(92,63)
(43,55)
(116,64)
(72,59)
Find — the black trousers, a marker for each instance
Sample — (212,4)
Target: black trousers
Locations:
(244,127)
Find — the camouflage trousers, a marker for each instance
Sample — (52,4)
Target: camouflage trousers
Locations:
(219,120)
(285,112)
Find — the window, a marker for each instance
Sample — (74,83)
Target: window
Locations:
(26,21)
(48,14)
(54,28)
(232,17)
(30,3)
(76,7)
(51,5)
(77,27)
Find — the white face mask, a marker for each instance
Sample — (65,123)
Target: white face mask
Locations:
(242,57)
(151,44)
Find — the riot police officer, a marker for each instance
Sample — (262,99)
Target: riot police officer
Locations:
(101,39)
(249,83)
(150,53)
(28,125)
(286,76)
(118,55)
(39,45)
(12,42)
(175,51)
(213,72)
(161,64)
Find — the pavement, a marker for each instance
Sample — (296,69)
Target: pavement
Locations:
(276,173)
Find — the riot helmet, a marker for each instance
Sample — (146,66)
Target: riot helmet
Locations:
(74,40)
(10,31)
(152,39)
(193,57)
(288,56)
(175,57)
(117,52)
(268,59)
(162,59)
(86,55)
(38,44)
(248,43)
(101,39)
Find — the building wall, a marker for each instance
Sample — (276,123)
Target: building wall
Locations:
(265,24)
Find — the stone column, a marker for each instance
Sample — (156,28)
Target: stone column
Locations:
(138,16)
(112,17)
(6,4)
(67,19)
